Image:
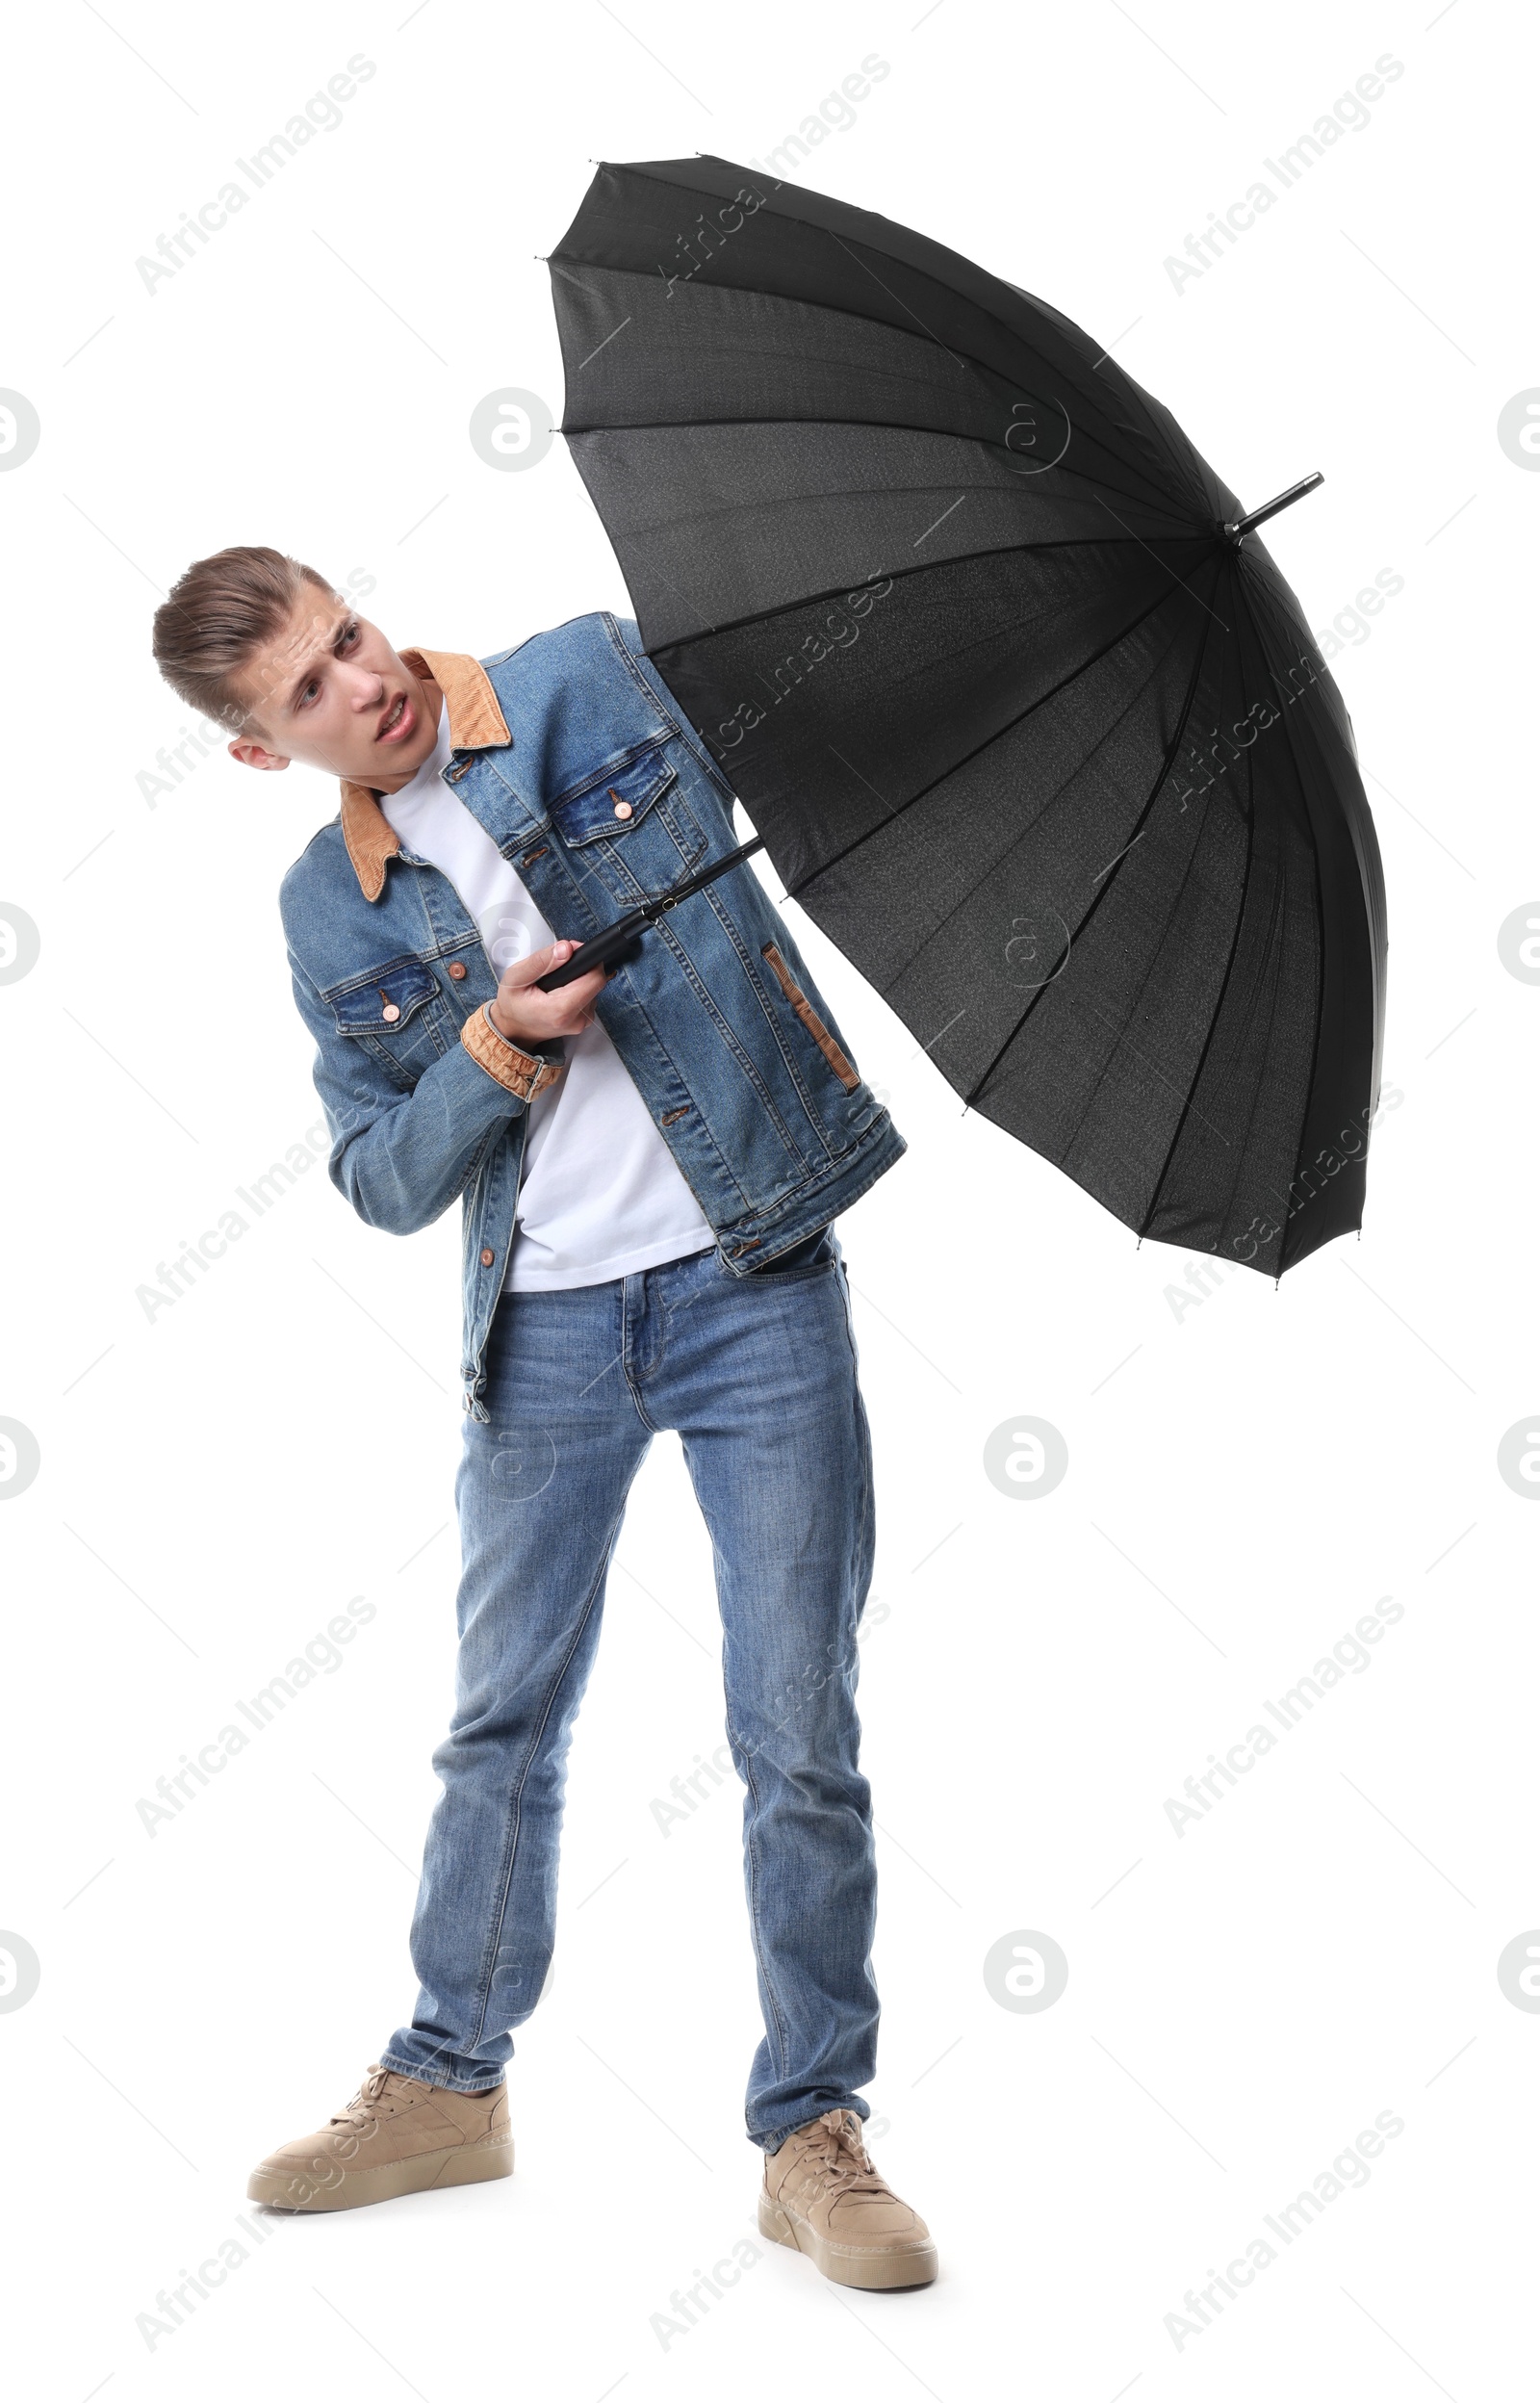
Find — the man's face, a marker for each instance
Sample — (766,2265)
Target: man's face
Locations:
(329,690)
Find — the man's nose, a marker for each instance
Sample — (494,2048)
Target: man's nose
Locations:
(368,689)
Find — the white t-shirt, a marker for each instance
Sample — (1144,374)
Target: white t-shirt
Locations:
(599,1195)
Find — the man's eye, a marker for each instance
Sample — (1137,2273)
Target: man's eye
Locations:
(350,636)
(308,695)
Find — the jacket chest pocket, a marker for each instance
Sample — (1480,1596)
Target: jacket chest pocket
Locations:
(640,814)
(397,1012)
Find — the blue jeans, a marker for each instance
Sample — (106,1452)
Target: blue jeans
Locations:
(758,1376)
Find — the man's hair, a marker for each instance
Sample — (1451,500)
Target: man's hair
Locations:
(216,615)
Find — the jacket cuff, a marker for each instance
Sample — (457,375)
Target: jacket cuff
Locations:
(522,1073)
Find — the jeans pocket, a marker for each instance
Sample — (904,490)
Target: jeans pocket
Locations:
(804,1260)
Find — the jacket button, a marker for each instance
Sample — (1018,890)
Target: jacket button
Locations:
(456,969)
(623,808)
(487,1258)
(389,1013)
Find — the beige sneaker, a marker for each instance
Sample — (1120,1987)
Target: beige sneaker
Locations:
(397,2136)
(822,2196)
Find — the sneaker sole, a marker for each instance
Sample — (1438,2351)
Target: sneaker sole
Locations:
(875,2271)
(457,2165)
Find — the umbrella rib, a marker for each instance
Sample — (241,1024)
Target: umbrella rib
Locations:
(1124,1037)
(1190,1102)
(1321,956)
(1061,327)
(965,359)
(1280,904)
(678,522)
(796,892)
(920,567)
(883,425)
(1187,1102)
(970,1097)
(864,317)
(1133,399)
(995,866)
(1254,1102)
(960,361)
(1225,987)
(1155,554)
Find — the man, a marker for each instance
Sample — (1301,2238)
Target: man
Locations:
(649,1167)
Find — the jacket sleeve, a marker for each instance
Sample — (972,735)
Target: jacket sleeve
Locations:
(401,1158)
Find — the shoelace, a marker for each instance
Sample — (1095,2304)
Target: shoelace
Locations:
(360,2109)
(835,2154)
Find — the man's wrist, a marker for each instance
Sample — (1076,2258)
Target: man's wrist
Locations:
(509,1034)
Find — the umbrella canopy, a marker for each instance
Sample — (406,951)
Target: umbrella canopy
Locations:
(1029,728)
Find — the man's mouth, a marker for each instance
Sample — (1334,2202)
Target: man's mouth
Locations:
(398,721)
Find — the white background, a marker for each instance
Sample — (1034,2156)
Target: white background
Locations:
(1245,1476)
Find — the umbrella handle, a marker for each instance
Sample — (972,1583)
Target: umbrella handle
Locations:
(606,951)
(1270,509)
(622,940)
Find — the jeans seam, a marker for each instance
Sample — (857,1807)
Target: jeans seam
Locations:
(625,1353)
(751,1855)
(866,1512)
(865,1563)
(516,1799)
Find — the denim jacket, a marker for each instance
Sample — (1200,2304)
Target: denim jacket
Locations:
(573,755)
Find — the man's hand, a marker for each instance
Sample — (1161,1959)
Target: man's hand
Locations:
(527,1016)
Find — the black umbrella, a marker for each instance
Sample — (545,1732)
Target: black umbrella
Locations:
(1021,708)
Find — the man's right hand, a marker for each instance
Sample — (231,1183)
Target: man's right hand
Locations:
(527,1016)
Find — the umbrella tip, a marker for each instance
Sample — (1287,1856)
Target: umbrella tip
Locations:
(1241,526)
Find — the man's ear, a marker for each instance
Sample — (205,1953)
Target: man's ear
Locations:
(255,755)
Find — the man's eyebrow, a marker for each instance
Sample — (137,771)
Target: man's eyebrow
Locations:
(338,628)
